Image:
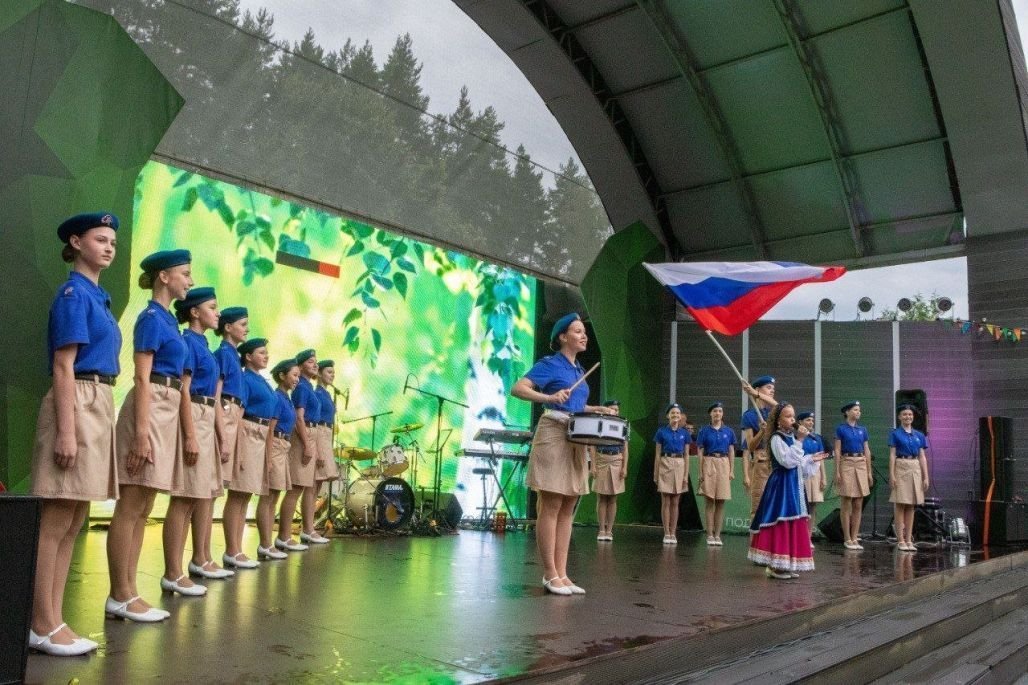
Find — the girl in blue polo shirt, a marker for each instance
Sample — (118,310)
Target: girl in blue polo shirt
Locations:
(288,376)
(853,476)
(73,456)
(304,457)
(326,469)
(908,475)
(716,447)
(148,428)
(671,468)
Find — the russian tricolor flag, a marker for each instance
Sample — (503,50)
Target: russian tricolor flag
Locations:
(729,297)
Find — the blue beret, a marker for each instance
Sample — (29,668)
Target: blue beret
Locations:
(673,405)
(715,406)
(903,407)
(283,366)
(165,259)
(762,381)
(849,405)
(194,297)
(804,415)
(325,363)
(251,345)
(80,223)
(232,314)
(304,356)
(612,403)
(563,323)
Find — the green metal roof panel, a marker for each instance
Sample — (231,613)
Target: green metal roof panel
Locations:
(727,30)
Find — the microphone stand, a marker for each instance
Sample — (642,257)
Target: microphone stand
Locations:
(374,421)
(335,402)
(439,442)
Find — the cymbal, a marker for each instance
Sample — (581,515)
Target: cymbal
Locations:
(355,453)
(407,428)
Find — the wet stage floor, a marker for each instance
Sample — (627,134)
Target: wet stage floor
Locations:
(460,608)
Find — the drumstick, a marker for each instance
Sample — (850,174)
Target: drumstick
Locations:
(579,381)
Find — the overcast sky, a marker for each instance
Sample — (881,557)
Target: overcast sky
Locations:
(455,52)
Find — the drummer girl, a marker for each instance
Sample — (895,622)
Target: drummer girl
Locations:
(671,468)
(557,467)
(610,466)
(73,456)
(304,455)
(148,429)
(853,476)
(327,470)
(908,475)
(287,376)
(197,467)
(716,448)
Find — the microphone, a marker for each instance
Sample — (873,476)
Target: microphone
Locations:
(344,393)
(406,383)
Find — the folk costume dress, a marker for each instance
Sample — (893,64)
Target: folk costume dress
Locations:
(780,527)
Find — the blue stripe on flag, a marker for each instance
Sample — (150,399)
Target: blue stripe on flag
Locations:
(712,292)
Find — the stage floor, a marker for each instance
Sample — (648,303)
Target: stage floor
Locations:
(461,608)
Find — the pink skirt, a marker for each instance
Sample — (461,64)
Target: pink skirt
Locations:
(784,546)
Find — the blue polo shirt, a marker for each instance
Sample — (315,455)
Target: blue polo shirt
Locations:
(672,441)
(80,314)
(156,331)
(328,405)
(285,413)
(258,396)
(812,444)
(554,373)
(908,445)
(304,398)
(852,438)
(200,364)
(230,370)
(715,440)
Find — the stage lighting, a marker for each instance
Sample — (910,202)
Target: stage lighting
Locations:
(904,305)
(944,304)
(825,306)
(865,305)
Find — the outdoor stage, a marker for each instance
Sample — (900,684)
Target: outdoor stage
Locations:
(462,608)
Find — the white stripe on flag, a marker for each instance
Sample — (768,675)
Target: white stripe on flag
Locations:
(677,273)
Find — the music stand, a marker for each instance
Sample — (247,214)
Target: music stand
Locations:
(437,478)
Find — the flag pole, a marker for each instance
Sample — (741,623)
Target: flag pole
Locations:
(738,375)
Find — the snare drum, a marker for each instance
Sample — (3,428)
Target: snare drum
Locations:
(393,460)
(597,429)
(386,504)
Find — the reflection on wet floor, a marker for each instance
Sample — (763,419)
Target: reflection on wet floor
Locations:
(462,608)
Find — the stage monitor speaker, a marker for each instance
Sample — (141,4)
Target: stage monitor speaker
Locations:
(20,531)
(831,527)
(1008,523)
(919,399)
(450,509)
(996,442)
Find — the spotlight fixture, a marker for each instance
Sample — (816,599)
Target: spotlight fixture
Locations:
(865,305)
(944,304)
(904,305)
(825,306)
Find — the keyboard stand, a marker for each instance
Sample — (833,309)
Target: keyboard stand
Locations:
(501,495)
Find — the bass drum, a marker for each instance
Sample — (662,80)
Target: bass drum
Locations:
(380,503)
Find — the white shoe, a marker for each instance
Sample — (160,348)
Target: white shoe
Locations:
(216,573)
(711,542)
(270,553)
(239,563)
(187,590)
(556,589)
(771,573)
(672,540)
(116,609)
(575,590)
(78,647)
(290,545)
(314,537)
(667,540)
(717,541)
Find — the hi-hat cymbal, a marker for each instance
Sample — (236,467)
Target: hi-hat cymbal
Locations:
(355,453)
(407,428)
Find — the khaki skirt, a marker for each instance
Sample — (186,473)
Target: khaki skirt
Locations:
(671,476)
(249,470)
(199,480)
(231,417)
(909,483)
(300,474)
(608,480)
(93,476)
(165,438)
(716,482)
(812,488)
(329,470)
(854,477)
(555,464)
(278,471)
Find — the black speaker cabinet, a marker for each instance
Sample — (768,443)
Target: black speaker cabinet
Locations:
(831,527)
(19,536)
(996,441)
(919,400)
(450,509)
(1008,523)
